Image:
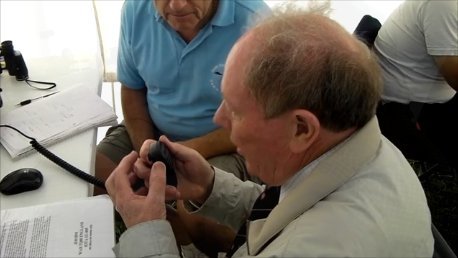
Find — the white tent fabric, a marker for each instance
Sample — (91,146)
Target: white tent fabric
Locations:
(82,28)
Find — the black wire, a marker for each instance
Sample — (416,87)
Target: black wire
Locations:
(62,163)
(47,83)
(17,130)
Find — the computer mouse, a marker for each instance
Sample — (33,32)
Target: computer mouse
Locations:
(21,180)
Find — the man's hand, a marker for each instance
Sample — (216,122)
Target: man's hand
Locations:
(133,207)
(194,173)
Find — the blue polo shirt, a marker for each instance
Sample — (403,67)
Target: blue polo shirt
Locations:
(182,79)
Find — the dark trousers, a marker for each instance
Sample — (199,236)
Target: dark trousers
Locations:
(427,132)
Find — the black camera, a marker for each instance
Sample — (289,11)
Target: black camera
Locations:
(13,61)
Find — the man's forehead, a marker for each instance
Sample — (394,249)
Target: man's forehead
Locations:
(244,43)
(236,65)
(240,55)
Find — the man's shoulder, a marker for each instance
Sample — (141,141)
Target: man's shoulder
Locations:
(254,6)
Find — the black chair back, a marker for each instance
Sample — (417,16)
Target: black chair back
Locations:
(367,30)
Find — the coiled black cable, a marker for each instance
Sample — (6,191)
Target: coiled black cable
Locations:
(62,163)
(65,165)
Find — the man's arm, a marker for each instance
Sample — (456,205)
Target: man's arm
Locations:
(448,66)
(140,127)
(212,144)
(136,116)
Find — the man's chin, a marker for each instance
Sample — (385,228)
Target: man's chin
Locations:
(185,22)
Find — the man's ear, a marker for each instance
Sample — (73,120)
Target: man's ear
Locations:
(307,129)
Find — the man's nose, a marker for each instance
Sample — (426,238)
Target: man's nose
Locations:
(177,5)
(220,117)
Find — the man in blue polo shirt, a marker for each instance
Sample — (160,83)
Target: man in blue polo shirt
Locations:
(170,62)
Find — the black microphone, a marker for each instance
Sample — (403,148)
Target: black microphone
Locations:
(159,152)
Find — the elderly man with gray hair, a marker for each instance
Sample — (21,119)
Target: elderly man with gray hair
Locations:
(299,100)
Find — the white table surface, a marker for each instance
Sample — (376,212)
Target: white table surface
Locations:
(78,150)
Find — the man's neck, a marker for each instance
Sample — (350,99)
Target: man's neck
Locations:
(326,141)
(187,36)
(320,150)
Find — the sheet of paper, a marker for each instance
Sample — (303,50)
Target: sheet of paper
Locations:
(76,228)
(53,118)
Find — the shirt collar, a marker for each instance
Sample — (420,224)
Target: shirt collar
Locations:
(225,14)
(298,177)
(302,174)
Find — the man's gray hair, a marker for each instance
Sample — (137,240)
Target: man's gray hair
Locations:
(305,60)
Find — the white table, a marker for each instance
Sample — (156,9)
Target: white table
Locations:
(68,66)
(77,150)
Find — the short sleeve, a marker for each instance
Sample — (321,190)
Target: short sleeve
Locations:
(440,25)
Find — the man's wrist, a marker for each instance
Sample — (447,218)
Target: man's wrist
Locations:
(209,189)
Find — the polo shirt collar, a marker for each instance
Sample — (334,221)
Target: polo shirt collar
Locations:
(225,14)
(157,16)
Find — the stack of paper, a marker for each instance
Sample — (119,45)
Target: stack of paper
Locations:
(76,228)
(53,118)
